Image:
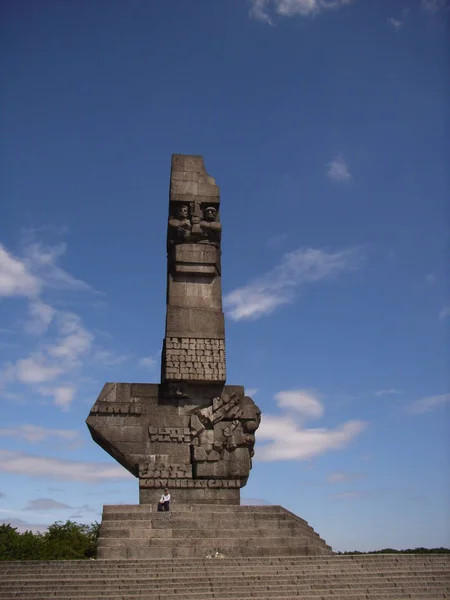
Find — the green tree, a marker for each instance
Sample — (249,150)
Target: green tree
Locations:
(20,546)
(71,540)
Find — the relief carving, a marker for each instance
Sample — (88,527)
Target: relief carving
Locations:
(224,433)
(189,223)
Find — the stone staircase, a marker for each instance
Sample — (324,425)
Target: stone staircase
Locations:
(361,577)
(196,531)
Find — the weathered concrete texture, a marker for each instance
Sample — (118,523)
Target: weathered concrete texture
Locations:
(176,438)
(195,359)
(189,180)
(191,433)
(196,530)
(368,577)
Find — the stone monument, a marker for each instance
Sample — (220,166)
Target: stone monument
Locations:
(191,432)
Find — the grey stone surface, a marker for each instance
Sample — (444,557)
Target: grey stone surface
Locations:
(364,577)
(191,432)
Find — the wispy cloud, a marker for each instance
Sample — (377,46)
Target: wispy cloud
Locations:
(29,275)
(251,392)
(340,477)
(263,295)
(388,392)
(62,395)
(428,404)
(284,437)
(395,23)
(434,6)
(276,240)
(15,278)
(430,278)
(147,362)
(264,10)
(445,312)
(41,315)
(108,358)
(46,504)
(338,170)
(42,262)
(34,433)
(30,465)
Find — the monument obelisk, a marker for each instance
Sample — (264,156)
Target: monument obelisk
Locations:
(191,432)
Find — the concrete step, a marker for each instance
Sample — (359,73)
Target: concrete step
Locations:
(103,586)
(263,592)
(306,564)
(376,577)
(341,561)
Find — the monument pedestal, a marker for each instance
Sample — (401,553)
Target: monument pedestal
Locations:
(199,531)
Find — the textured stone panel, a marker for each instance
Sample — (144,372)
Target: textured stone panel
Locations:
(195,359)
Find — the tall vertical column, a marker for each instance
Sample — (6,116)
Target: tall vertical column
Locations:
(194,344)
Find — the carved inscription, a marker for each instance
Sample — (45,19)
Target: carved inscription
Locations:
(117,408)
(195,359)
(191,483)
(169,434)
(171,471)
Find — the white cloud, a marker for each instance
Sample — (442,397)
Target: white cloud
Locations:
(108,358)
(63,395)
(258,11)
(396,23)
(35,369)
(147,362)
(38,268)
(251,392)
(75,340)
(42,262)
(46,504)
(388,392)
(430,278)
(288,441)
(41,315)
(15,278)
(428,404)
(261,9)
(53,359)
(433,6)
(303,402)
(277,287)
(338,170)
(20,463)
(285,438)
(445,312)
(34,433)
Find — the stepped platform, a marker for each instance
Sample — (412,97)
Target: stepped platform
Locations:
(360,577)
(199,530)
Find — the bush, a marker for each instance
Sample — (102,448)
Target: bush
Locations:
(62,541)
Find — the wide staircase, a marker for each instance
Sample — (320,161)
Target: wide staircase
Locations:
(368,577)
(198,531)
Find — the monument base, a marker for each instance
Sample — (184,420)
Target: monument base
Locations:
(202,530)
(193,496)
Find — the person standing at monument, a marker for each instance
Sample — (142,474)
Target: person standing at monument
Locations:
(165,501)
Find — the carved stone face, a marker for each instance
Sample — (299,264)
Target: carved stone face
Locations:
(183,211)
(210,213)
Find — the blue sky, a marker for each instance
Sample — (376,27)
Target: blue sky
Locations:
(326,126)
